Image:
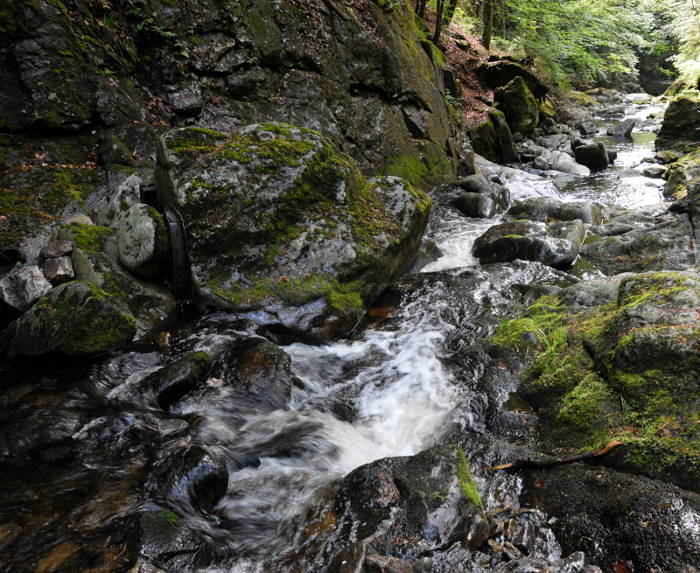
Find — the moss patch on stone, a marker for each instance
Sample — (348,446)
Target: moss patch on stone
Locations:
(32,198)
(589,388)
(89,238)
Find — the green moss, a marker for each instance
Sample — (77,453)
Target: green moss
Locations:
(89,238)
(587,396)
(170,517)
(344,297)
(467,483)
(36,197)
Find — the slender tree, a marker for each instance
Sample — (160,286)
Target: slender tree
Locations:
(488,23)
(450,12)
(439,16)
(420,7)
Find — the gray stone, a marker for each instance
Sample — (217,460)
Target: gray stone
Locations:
(23,286)
(556,245)
(548,208)
(655,172)
(127,195)
(623,129)
(56,249)
(563,162)
(142,241)
(58,271)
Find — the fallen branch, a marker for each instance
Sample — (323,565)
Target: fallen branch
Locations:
(518,464)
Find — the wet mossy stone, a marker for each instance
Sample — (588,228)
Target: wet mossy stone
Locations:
(284,227)
(681,125)
(493,138)
(73,319)
(618,362)
(548,209)
(520,107)
(555,245)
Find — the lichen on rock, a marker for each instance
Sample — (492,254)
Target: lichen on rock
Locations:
(278,217)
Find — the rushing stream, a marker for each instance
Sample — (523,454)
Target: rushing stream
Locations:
(391,390)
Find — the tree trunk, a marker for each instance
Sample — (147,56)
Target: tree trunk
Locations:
(439,13)
(420,8)
(488,24)
(449,14)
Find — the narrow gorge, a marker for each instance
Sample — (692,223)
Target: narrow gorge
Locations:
(284,284)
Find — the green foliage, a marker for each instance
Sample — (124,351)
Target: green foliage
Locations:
(467,483)
(686,28)
(585,42)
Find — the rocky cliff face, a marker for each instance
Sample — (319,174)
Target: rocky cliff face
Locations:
(89,87)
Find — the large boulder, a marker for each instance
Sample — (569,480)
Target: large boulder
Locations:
(617,359)
(519,106)
(548,208)
(476,196)
(592,155)
(284,227)
(623,130)
(500,73)
(142,241)
(681,125)
(493,139)
(554,245)
(74,319)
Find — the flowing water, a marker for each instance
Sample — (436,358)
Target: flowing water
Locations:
(392,390)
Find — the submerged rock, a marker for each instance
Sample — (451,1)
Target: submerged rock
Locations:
(75,319)
(284,227)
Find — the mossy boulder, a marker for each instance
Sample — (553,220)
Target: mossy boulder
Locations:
(493,139)
(556,245)
(499,73)
(681,125)
(143,241)
(625,368)
(284,227)
(519,106)
(74,319)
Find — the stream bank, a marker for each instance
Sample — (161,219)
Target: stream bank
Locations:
(230,449)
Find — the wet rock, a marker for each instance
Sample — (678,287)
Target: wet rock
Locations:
(519,106)
(659,243)
(668,156)
(548,208)
(56,249)
(561,161)
(654,172)
(552,142)
(592,155)
(476,196)
(587,128)
(58,271)
(383,564)
(623,130)
(493,138)
(681,124)
(23,286)
(556,245)
(180,377)
(299,249)
(418,497)
(189,477)
(614,517)
(75,319)
(142,241)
